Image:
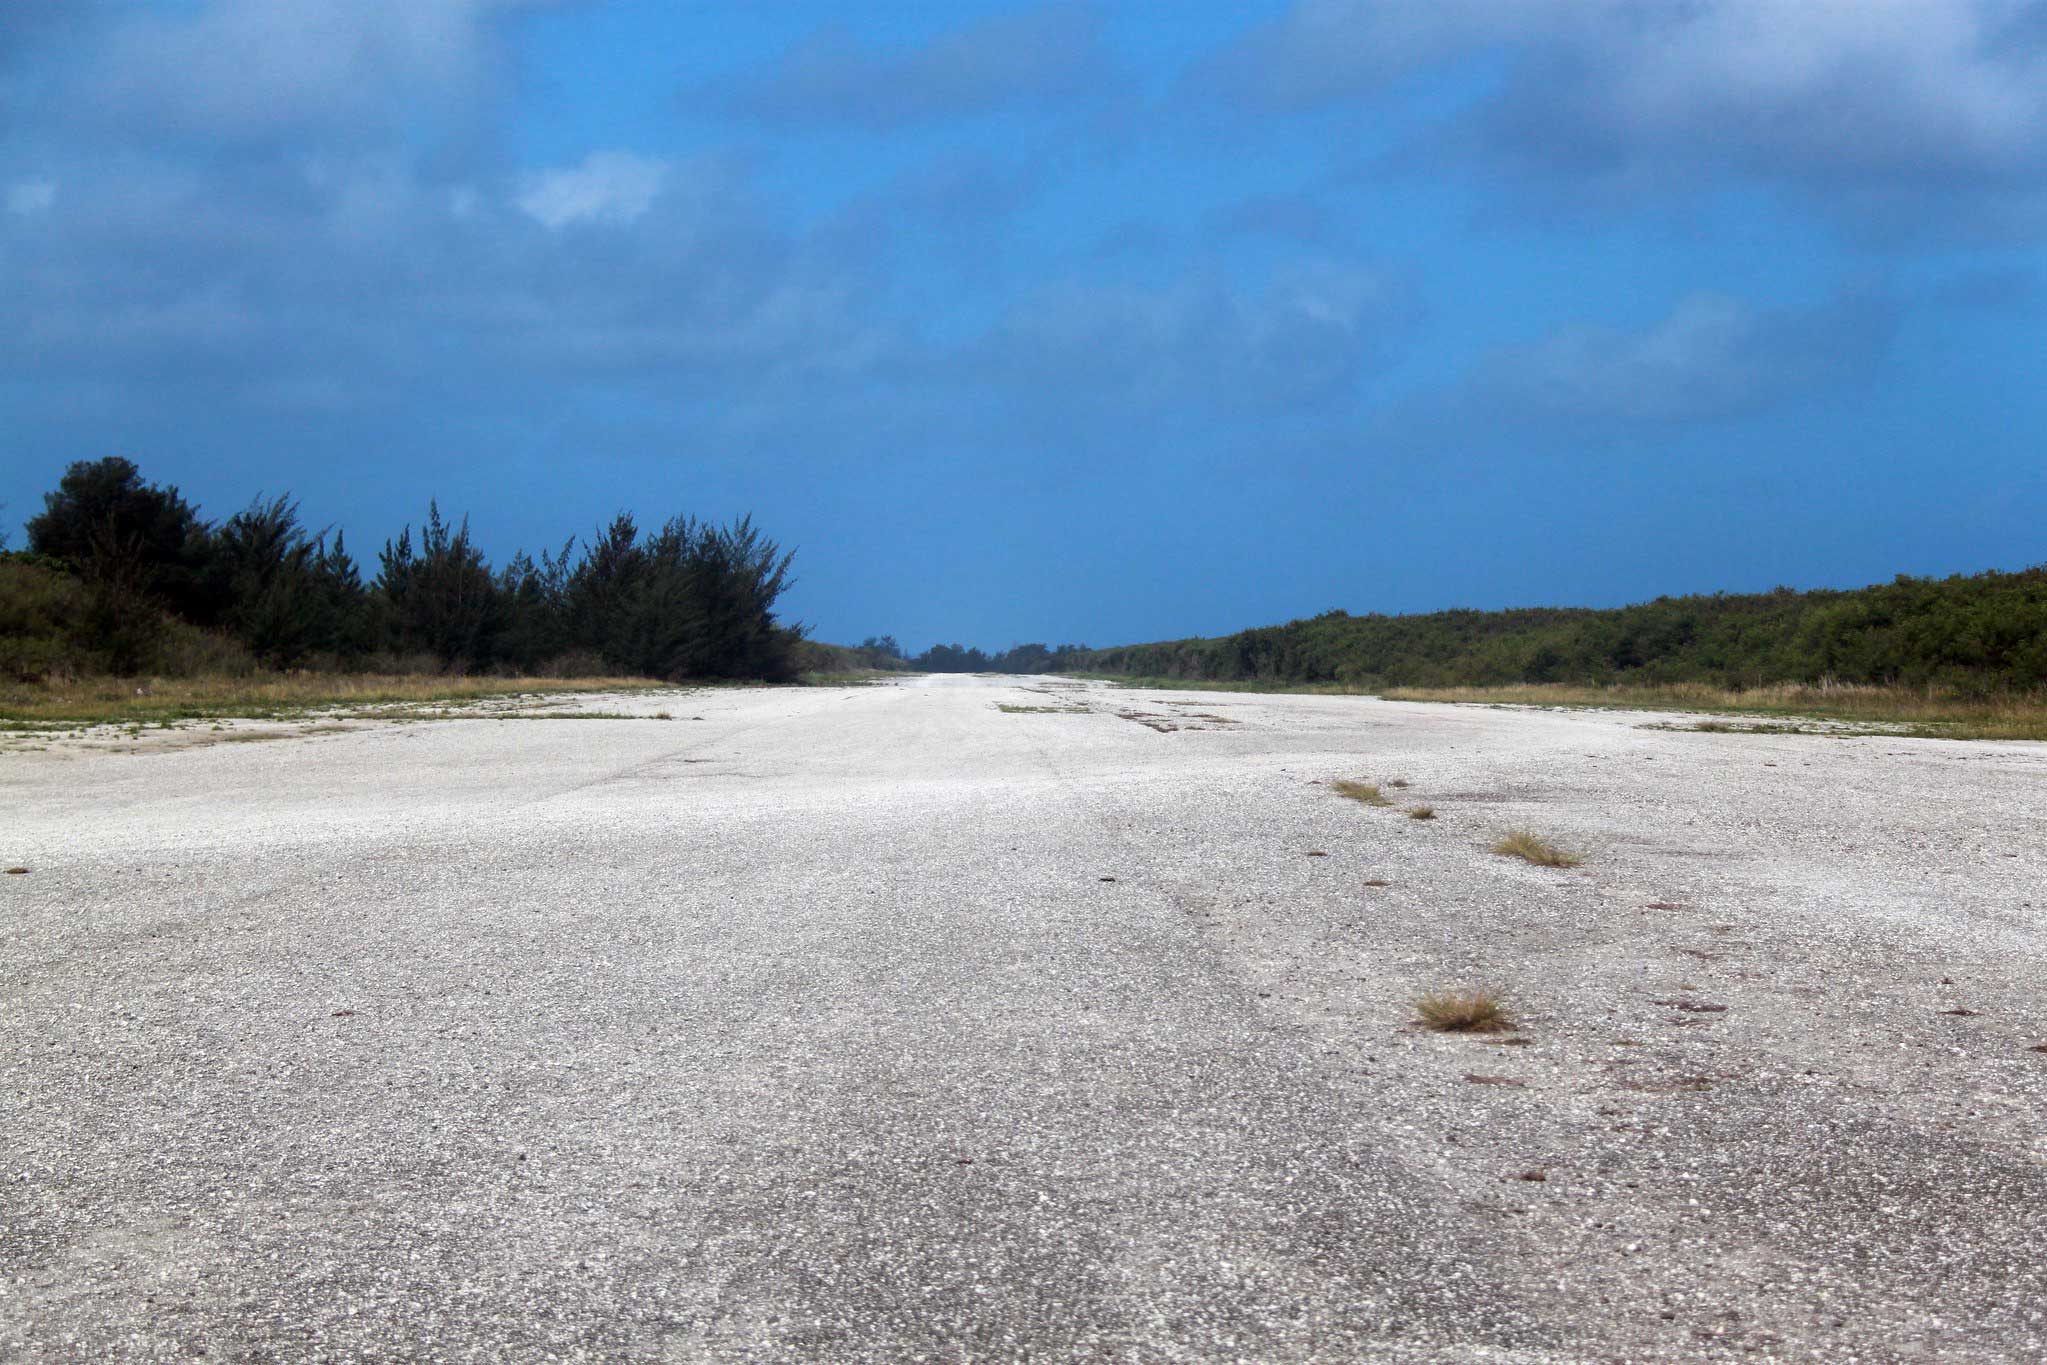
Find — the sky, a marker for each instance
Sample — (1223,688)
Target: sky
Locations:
(1067,321)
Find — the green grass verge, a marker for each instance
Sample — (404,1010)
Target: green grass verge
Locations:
(140,702)
(1907,711)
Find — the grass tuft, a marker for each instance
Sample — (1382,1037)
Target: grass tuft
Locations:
(1364,793)
(1422,813)
(1463,1011)
(1522,844)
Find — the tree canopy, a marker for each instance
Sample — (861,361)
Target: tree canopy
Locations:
(694,599)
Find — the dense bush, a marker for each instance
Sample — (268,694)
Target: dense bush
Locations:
(54,623)
(1971,633)
(42,608)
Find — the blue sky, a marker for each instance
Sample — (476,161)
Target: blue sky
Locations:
(1066,321)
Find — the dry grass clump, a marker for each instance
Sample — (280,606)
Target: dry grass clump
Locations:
(1522,844)
(1463,1011)
(1365,793)
(1422,813)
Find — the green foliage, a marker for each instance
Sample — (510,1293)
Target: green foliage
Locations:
(538,630)
(126,578)
(41,607)
(1030,658)
(440,598)
(56,624)
(132,537)
(954,658)
(288,596)
(693,600)
(123,619)
(1980,633)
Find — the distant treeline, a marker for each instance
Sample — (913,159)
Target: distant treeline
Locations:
(883,652)
(123,576)
(1974,634)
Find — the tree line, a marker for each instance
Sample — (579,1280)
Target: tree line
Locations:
(124,576)
(884,652)
(1969,633)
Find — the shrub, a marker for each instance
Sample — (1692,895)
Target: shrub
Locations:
(39,609)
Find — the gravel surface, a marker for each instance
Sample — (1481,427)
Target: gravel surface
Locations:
(883,1023)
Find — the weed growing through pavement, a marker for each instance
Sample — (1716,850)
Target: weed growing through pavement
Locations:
(1721,727)
(1463,1011)
(1365,793)
(1522,844)
(1422,813)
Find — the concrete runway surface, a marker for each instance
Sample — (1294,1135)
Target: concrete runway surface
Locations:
(882,1023)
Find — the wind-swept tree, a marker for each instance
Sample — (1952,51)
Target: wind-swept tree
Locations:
(440,598)
(737,575)
(603,592)
(288,595)
(693,600)
(535,594)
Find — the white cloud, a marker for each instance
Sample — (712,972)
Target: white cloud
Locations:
(26,198)
(1881,83)
(1918,86)
(608,187)
(254,69)
(1711,355)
